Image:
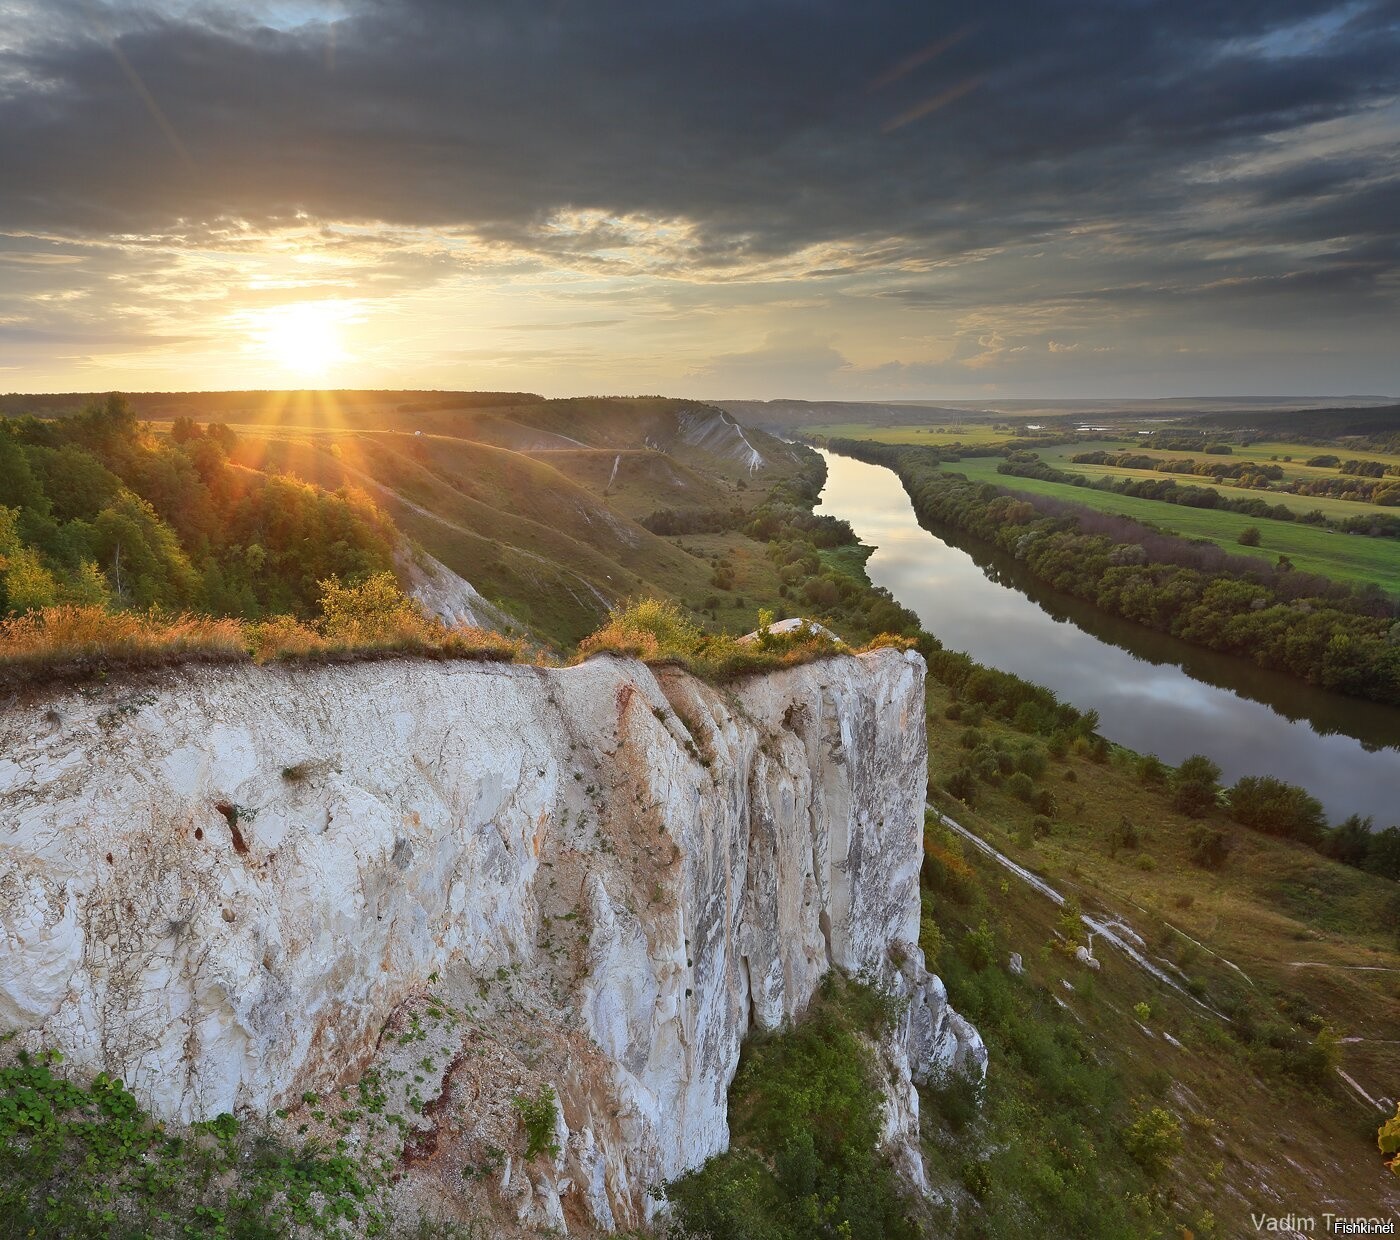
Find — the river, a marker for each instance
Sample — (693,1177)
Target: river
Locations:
(1153,693)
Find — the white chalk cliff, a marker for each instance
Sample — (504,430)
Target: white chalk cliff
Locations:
(234,885)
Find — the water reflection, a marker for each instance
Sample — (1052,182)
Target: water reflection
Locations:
(1152,692)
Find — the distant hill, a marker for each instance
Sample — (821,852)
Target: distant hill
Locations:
(792,415)
(1367,422)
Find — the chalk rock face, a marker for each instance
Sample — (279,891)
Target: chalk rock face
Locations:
(231,885)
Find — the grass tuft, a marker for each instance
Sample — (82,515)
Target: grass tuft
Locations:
(658,632)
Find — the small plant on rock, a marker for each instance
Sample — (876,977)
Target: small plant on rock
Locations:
(540,1117)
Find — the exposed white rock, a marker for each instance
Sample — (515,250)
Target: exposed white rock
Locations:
(451,598)
(224,883)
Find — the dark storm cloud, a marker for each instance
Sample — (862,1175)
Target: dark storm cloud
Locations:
(764,122)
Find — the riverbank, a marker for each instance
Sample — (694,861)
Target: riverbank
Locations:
(1317,630)
(1343,751)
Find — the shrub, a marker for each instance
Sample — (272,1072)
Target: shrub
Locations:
(1249,536)
(930,934)
(956,1095)
(1210,847)
(962,784)
(1153,1141)
(1194,786)
(1021,786)
(1276,808)
(979,947)
(1388,1141)
(81,1158)
(970,738)
(805,1120)
(1031,760)
(1124,835)
(1151,770)
(540,1117)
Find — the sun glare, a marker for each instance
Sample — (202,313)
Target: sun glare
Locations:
(305,338)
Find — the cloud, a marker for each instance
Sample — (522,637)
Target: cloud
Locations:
(791,363)
(1160,167)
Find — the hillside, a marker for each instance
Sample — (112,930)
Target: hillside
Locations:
(540,505)
(1227,1052)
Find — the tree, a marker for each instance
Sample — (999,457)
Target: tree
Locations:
(374,610)
(1249,536)
(1276,808)
(1154,1141)
(29,586)
(1193,788)
(1383,855)
(1348,842)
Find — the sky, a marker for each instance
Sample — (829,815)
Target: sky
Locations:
(734,198)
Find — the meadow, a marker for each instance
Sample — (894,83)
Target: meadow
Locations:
(1352,558)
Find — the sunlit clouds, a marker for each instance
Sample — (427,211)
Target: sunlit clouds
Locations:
(884,201)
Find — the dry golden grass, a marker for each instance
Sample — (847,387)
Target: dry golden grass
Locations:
(64,643)
(657,631)
(60,643)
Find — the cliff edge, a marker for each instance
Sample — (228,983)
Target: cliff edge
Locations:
(239,888)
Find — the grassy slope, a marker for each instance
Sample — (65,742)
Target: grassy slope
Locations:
(544,531)
(644,482)
(1252,1140)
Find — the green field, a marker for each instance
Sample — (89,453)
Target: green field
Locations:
(1264,453)
(1344,557)
(940,434)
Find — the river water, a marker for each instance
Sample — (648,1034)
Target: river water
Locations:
(1153,693)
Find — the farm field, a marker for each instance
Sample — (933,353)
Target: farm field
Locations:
(937,434)
(1264,453)
(1061,456)
(1343,557)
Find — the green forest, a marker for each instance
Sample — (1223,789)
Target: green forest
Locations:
(96,510)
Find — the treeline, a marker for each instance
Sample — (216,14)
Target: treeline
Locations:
(1246,473)
(1321,631)
(1269,805)
(1168,491)
(1377,428)
(1359,488)
(97,511)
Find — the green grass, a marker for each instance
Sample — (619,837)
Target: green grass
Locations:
(1246,1117)
(1343,557)
(935,434)
(1060,456)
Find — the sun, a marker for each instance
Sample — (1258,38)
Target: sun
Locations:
(304,338)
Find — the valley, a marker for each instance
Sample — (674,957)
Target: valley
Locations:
(1252,1077)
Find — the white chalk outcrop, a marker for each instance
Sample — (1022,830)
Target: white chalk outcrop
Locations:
(442,593)
(225,884)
